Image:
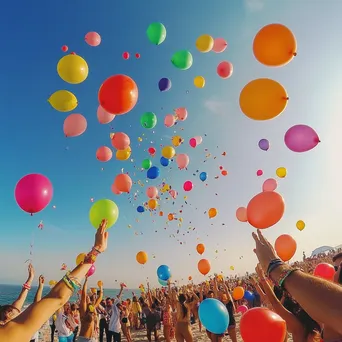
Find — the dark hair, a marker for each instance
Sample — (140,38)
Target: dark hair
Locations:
(73,307)
(4,309)
(337,256)
(182,300)
(278,291)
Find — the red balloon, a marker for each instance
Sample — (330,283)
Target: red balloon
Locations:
(137,55)
(65,48)
(325,271)
(261,325)
(118,94)
(152,151)
(125,55)
(73,53)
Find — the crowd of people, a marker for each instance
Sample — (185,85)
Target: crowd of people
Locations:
(310,306)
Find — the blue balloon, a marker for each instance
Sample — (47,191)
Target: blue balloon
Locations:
(153,172)
(140,209)
(164,84)
(164,161)
(162,282)
(164,272)
(214,315)
(203,176)
(249,296)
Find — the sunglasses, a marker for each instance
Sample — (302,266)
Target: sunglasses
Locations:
(336,268)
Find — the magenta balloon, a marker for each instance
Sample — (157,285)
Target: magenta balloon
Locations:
(187,186)
(225,69)
(182,160)
(220,45)
(242,309)
(301,138)
(169,120)
(181,113)
(269,185)
(92,38)
(193,142)
(103,116)
(91,271)
(74,125)
(33,193)
(259,173)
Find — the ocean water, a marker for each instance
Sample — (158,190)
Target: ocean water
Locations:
(9,293)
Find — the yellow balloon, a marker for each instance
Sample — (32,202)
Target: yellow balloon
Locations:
(204,43)
(72,69)
(123,154)
(300,225)
(177,140)
(52,282)
(199,82)
(100,283)
(232,268)
(152,203)
(80,258)
(263,99)
(168,152)
(63,101)
(281,172)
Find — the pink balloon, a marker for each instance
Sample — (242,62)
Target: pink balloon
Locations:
(187,186)
(103,116)
(123,182)
(301,138)
(193,142)
(259,173)
(121,141)
(115,190)
(198,139)
(93,39)
(173,193)
(182,160)
(104,154)
(181,113)
(152,192)
(269,185)
(169,120)
(225,69)
(241,214)
(242,309)
(220,45)
(74,125)
(91,271)
(33,193)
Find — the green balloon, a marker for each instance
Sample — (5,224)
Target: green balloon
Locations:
(182,59)
(146,164)
(156,33)
(148,120)
(103,209)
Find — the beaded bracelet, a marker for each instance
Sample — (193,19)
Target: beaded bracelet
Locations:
(284,275)
(273,265)
(27,287)
(72,281)
(91,256)
(67,283)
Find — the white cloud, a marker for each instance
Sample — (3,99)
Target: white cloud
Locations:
(217,106)
(254,5)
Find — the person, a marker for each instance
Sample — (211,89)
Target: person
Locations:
(114,326)
(227,300)
(23,326)
(105,311)
(63,326)
(37,298)
(52,321)
(168,326)
(125,323)
(136,312)
(152,319)
(75,316)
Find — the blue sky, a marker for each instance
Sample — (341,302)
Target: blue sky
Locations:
(32,136)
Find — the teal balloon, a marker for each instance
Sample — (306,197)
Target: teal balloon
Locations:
(146,164)
(182,59)
(156,33)
(148,120)
(103,209)
(162,282)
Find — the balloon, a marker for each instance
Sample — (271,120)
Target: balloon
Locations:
(142,258)
(125,55)
(118,94)
(91,271)
(285,246)
(137,55)
(164,84)
(115,190)
(121,141)
(219,45)
(103,209)
(72,69)
(274,45)
(182,160)
(173,194)
(214,316)
(33,193)
(225,69)
(192,142)
(152,151)
(269,185)
(325,271)
(103,116)
(203,176)
(204,43)
(242,309)
(169,120)
(187,186)
(262,324)
(146,164)
(65,48)
(241,214)
(265,209)
(259,173)
(281,172)
(162,282)
(177,140)
(152,204)
(300,225)
(181,113)
(199,140)
(123,154)
(156,33)
(93,39)
(263,99)
(152,192)
(249,296)
(204,266)
(63,101)
(74,125)
(140,209)
(199,82)
(80,258)
(104,154)
(182,59)
(238,293)
(301,138)
(190,278)
(224,172)
(212,212)
(168,152)
(264,144)
(153,172)
(123,182)
(100,283)
(52,282)
(164,272)
(148,120)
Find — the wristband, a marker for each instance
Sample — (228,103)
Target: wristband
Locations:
(27,287)
(284,275)
(273,265)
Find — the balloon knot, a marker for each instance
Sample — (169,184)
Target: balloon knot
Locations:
(295,54)
(31,214)
(287,98)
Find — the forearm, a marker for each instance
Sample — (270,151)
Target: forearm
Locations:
(19,302)
(39,293)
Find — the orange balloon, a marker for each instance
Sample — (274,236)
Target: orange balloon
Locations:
(104,154)
(118,94)
(200,248)
(142,258)
(241,214)
(152,203)
(274,45)
(285,246)
(170,217)
(265,209)
(263,99)
(238,293)
(161,213)
(224,173)
(212,212)
(123,182)
(190,278)
(204,266)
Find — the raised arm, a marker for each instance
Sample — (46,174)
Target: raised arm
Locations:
(121,291)
(83,302)
(39,292)
(99,298)
(226,291)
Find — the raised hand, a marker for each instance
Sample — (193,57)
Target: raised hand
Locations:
(101,237)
